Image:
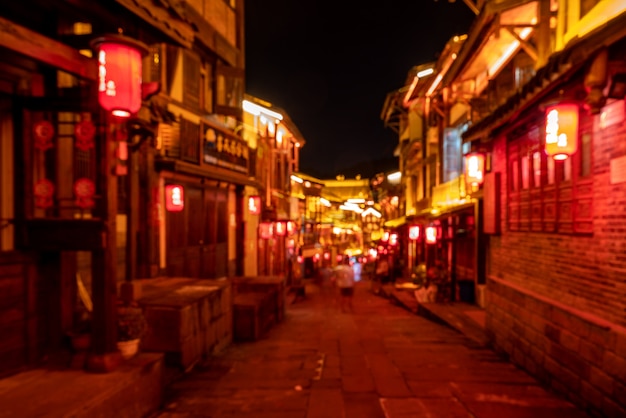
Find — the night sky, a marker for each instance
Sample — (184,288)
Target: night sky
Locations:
(330,64)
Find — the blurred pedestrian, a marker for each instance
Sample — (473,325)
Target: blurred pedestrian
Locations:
(343,277)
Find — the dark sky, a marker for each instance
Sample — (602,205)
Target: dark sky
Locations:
(330,64)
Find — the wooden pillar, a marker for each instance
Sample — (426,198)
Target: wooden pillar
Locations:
(104,356)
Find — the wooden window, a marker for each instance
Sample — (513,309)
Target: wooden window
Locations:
(546,195)
(229,89)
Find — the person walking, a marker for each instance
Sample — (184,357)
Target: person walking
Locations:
(343,277)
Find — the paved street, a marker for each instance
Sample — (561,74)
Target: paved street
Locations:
(380,361)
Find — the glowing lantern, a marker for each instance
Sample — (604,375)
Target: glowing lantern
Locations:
(281,228)
(431,235)
(393,239)
(414,232)
(300,259)
(174,197)
(385,237)
(266,230)
(119,74)
(326,256)
(291,227)
(254,205)
(561,130)
(475,168)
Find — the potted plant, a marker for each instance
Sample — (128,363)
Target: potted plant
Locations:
(131,327)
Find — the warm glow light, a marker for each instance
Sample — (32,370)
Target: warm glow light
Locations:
(394,177)
(280,228)
(431,235)
(266,230)
(561,130)
(508,52)
(296,179)
(475,168)
(254,205)
(258,110)
(174,198)
(385,237)
(414,232)
(324,202)
(371,211)
(393,239)
(119,74)
(291,227)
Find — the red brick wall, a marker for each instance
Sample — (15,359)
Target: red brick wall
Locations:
(556,303)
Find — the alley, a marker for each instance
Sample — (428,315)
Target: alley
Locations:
(379,362)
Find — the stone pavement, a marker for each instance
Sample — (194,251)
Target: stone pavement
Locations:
(381,361)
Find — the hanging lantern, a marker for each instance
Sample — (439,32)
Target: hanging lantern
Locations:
(254,205)
(266,230)
(174,197)
(561,130)
(393,239)
(119,74)
(281,228)
(414,232)
(475,168)
(385,237)
(291,227)
(431,234)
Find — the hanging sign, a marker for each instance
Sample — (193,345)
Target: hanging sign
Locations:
(266,230)
(414,232)
(431,235)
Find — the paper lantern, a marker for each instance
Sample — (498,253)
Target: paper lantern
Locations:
(254,205)
(266,230)
(414,232)
(280,227)
(393,239)
(561,130)
(431,234)
(475,168)
(174,197)
(119,74)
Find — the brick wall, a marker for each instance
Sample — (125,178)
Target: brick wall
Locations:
(556,302)
(578,355)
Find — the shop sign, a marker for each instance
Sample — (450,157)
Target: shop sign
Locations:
(225,151)
(254,205)
(431,234)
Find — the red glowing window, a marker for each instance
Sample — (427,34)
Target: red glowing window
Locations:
(174,197)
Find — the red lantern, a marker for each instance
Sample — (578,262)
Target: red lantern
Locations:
(119,74)
(291,227)
(174,197)
(414,232)
(393,239)
(561,130)
(431,234)
(475,168)
(385,237)
(281,228)
(266,230)
(254,205)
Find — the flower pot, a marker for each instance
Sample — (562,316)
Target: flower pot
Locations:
(128,348)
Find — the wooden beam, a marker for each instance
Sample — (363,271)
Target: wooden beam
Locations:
(46,50)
